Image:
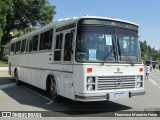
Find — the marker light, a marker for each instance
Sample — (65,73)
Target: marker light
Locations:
(113,17)
(140,69)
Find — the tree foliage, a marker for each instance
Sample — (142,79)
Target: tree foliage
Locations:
(147,52)
(5,10)
(23,14)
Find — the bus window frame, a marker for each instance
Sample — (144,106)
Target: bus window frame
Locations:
(24,49)
(55,49)
(12,52)
(50,44)
(72,34)
(16,43)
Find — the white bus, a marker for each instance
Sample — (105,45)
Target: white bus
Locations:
(84,58)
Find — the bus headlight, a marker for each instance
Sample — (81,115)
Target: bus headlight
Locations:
(139,82)
(90,87)
(90,83)
(90,80)
(139,79)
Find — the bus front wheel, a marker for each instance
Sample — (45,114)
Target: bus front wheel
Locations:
(53,90)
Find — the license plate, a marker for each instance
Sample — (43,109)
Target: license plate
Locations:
(119,94)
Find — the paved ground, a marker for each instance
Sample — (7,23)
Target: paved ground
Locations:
(3,68)
(5,79)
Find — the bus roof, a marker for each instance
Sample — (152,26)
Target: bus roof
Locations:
(109,18)
(66,21)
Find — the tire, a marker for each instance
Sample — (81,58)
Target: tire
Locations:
(16,78)
(53,90)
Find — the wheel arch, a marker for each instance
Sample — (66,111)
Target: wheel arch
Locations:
(15,69)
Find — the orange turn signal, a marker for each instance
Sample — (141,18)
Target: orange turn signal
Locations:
(89,70)
(140,69)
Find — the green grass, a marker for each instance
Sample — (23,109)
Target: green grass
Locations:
(3,63)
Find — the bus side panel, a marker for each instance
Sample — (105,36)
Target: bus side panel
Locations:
(79,79)
(34,77)
(31,68)
(65,84)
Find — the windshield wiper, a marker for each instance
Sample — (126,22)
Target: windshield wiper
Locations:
(127,56)
(102,63)
(131,62)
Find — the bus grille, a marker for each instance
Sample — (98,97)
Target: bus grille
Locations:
(115,82)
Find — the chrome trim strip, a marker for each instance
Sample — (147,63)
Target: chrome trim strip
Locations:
(43,69)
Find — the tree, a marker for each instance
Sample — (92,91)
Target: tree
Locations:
(144,50)
(5,9)
(22,14)
(147,51)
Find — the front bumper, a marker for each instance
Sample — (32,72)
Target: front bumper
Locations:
(108,95)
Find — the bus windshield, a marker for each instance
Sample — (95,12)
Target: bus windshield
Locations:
(106,44)
(128,45)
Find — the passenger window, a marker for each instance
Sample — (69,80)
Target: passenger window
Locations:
(27,44)
(18,47)
(23,46)
(12,49)
(46,40)
(50,39)
(68,47)
(58,46)
(35,43)
(30,43)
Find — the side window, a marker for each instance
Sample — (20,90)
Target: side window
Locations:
(12,49)
(30,43)
(27,43)
(132,47)
(23,46)
(68,46)
(35,43)
(41,41)
(58,47)
(50,38)
(18,47)
(46,40)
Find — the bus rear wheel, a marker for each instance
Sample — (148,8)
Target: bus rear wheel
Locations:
(53,90)
(16,78)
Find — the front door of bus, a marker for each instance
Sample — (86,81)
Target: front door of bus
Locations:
(67,65)
(68,51)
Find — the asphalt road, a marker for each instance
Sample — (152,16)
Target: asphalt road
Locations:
(29,98)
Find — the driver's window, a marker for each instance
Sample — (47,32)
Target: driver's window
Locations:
(68,46)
